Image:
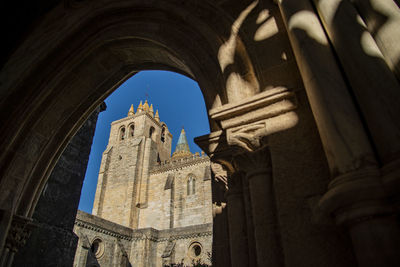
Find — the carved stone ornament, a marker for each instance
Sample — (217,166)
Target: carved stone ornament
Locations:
(20,230)
(255,162)
(248,122)
(217,209)
(220,173)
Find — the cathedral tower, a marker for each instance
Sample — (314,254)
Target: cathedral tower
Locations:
(137,142)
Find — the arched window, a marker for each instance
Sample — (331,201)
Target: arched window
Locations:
(132,130)
(97,248)
(122,134)
(151,132)
(163,134)
(191,185)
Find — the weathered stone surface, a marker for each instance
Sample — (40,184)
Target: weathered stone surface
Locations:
(62,58)
(53,242)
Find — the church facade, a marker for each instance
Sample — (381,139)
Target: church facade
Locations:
(150,209)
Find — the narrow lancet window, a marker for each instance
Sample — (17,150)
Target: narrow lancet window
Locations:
(122,134)
(131,130)
(163,134)
(191,185)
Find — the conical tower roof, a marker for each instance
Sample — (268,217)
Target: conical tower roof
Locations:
(131,111)
(182,147)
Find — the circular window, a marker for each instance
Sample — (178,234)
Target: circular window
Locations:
(97,248)
(195,250)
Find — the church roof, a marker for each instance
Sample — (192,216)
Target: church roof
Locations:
(182,147)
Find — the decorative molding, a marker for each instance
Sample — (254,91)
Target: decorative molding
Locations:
(248,122)
(356,195)
(143,234)
(217,209)
(20,230)
(220,173)
(102,230)
(179,163)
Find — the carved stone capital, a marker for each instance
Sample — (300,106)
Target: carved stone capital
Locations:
(20,230)
(356,195)
(254,163)
(249,122)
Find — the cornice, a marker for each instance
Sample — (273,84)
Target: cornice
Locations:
(102,230)
(179,163)
(148,233)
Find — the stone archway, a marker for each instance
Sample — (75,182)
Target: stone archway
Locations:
(252,60)
(66,68)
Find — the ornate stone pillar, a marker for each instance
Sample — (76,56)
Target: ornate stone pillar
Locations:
(247,124)
(373,83)
(18,233)
(355,196)
(257,166)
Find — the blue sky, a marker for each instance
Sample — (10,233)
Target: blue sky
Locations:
(179,102)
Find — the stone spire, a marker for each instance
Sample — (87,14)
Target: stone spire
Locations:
(146,106)
(182,147)
(131,111)
(151,110)
(157,117)
(140,107)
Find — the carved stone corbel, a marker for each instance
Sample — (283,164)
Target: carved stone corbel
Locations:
(220,173)
(249,122)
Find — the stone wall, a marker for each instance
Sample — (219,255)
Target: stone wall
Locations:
(169,204)
(53,243)
(146,247)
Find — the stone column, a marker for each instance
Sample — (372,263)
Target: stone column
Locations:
(221,245)
(257,166)
(373,83)
(356,196)
(237,221)
(382,18)
(246,125)
(239,214)
(251,242)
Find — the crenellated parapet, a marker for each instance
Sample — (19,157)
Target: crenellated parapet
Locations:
(175,163)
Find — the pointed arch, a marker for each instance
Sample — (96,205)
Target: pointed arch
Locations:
(122,133)
(191,185)
(131,130)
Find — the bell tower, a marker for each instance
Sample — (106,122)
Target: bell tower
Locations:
(136,143)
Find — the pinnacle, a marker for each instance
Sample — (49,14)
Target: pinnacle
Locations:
(131,111)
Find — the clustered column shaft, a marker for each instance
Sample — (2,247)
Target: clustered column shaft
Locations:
(357,196)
